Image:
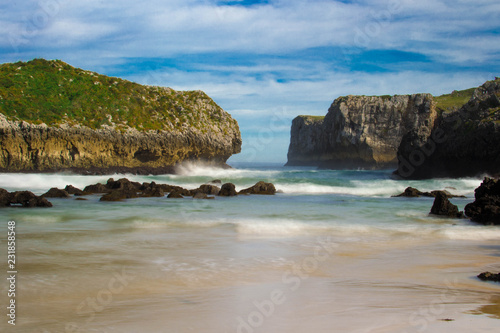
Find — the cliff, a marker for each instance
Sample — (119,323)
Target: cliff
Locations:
(360,131)
(56,117)
(464,141)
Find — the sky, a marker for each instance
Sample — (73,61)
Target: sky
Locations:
(268,61)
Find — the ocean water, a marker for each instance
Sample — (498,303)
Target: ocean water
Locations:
(332,252)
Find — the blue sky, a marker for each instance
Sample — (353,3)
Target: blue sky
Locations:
(266,61)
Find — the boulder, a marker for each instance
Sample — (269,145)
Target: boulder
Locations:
(4,198)
(118,195)
(486,208)
(488,276)
(56,193)
(228,190)
(123,184)
(96,188)
(175,195)
(73,190)
(27,199)
(442,206)
(412,192)
(152,190)
(260,188)
(206,189)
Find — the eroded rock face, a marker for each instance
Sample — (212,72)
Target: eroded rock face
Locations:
(486,208)
(359,131)
(31,147)
(463,143)
(442,206)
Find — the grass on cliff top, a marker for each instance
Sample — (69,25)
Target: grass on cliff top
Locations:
(53,92)
(314,118)
(453,101)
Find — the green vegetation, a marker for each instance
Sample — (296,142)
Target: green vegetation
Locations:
(53,92)
(453,101)
(313,118)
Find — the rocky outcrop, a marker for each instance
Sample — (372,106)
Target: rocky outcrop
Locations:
(486,208)
(360,131)
(462,143)
(228,190)
(25,199)
(411,192)
(442,206)
(90,123)
(30,147)
(488,276)
(260,188)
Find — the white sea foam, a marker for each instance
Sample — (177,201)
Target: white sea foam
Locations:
(203,170)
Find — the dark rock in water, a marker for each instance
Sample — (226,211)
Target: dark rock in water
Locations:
(152,190)
(56,193)
(215,182)
(23,199)
(175,195)
(81,199)
(260,188)
(96,188)
(488,276)
(228,190)
(442,206)
(122,184)
(120,194)
(206,189)
(73,190)
(448,194)
(486,208)
(412,192)
(200,195)
(4,198)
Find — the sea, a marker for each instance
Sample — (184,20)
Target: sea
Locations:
(332,251)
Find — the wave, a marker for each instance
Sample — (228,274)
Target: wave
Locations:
(204,170)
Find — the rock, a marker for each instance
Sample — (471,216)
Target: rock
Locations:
(175,195)
(488,276)
(56,193)
(200,195)
(217,182)
(73,190)
(359,131)
(150,139)
(4,198)
(81,199)
(260,188)
(442,206)
(96,188)
(412,192)
(123,184)
(228,190)
(120,194)
(206,189)
(27,199)
(462,143)
(152,190)
(486,207)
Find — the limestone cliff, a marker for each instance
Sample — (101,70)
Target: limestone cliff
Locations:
(359,131)
(463,142)
(55,117)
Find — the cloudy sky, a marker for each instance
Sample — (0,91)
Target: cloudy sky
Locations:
(265,61)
